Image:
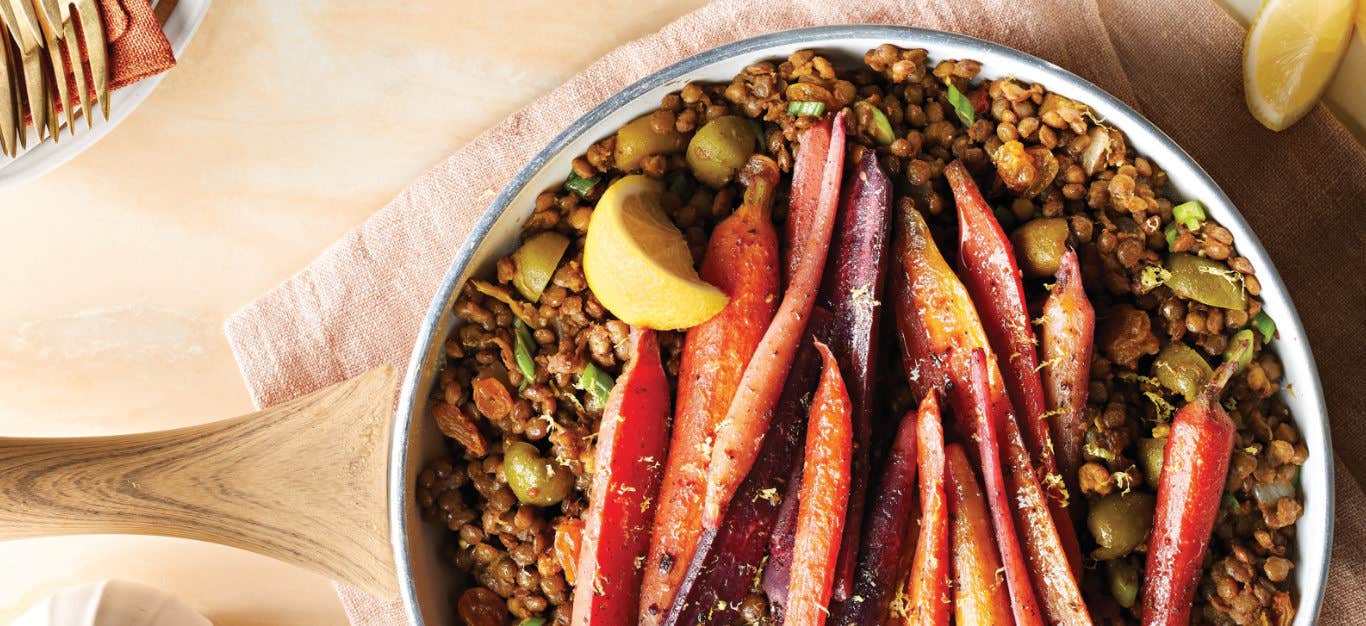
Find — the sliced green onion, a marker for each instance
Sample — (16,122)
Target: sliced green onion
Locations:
(1231,501)
(521,349)
(532,621)
(597,383)
(579,184)
(800,108)
(1171,233)
(962,106)
(1192,214)
(1265,326)
(882,128)
(1240,348)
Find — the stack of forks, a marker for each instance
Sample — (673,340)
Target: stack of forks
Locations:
(40,46)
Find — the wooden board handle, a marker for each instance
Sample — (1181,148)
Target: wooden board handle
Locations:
(303,482)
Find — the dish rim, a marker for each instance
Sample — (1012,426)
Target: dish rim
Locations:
(1122,116)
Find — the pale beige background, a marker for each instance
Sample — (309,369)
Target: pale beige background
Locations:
(286,124)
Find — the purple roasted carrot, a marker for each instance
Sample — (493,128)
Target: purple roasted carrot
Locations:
(727,559)
(852,289)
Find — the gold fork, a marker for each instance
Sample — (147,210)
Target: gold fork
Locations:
(28,40)
(49,17)
(92,32)
(11,114)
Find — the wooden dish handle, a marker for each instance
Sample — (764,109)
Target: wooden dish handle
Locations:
(302,482)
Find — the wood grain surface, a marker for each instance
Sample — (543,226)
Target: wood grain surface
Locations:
(303,482)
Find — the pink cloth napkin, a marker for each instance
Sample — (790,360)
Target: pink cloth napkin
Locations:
(360,304)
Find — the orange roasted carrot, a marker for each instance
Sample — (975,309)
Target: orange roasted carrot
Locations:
(824,498)
(978,598)
(929,583)
(740,433)
(986,260)
(634,433)
(741,260)
(1188,495)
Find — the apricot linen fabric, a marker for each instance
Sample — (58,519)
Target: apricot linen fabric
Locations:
(360,304)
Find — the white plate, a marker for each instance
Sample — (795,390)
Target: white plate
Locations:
(425,580)
(41,158)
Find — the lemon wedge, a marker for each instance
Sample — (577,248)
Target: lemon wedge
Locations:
(637,262)
(1290,54)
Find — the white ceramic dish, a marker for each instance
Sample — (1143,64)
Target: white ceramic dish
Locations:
(41,158)
(425,582)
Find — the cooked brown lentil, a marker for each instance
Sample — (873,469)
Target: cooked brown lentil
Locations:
(1051,157)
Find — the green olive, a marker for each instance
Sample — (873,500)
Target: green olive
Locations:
(1039,245)
(535,262)
(1123,578)
(1151,452)
(1180,368)
(1205,280)
(534,479)
(719,149)
(1120,522)
(638,139)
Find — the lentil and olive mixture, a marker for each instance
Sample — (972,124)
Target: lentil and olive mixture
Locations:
(513,489)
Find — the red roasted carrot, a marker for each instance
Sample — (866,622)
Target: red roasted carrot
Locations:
(807,174)
(1059,596)
(985,412)
(929,582)
(1069,323)
(741,260)
(1188,496)
(977,594)
(741,432)
(634,433)
(987,260)
(885,533)
(824,498)
(852,288)
(723,568)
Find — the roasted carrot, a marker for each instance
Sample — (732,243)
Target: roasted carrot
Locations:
(741,260)
(1069,323)
(808,173)
(885,533)
(852,288)
(987,262)
(633,435)
(824,498)
(976,394)
(929,591)
(1189,493)
(1059,595)
(726,562)
(977,595)
(741,432)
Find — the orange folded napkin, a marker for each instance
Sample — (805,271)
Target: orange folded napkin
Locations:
(361,303)
(137,46)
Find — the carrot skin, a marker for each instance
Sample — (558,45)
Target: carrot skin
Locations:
(740,433)
(1189,493)
(978,598)
(633,435)
(852,288)
(741,260)
(726,561)
(824,498)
